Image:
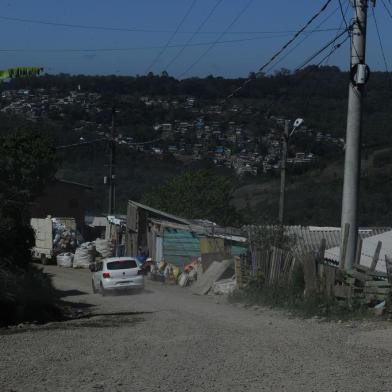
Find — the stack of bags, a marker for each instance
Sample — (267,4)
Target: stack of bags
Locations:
(84,255)
(104,248)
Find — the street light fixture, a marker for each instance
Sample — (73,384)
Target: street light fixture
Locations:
(286,135)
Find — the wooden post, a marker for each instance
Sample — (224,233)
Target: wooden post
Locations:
(388,262)
(321,252)
(376,256)
(238,272)
(343,248)
(310,274)
(358,252)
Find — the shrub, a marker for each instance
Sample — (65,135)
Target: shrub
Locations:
(26,295)
(291,296)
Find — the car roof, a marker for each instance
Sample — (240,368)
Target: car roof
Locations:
(110,259)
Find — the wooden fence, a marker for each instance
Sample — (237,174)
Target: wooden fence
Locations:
(275,265)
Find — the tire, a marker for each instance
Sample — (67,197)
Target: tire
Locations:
(102,290)
(93,287)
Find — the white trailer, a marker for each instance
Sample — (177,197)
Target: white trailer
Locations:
(43,228)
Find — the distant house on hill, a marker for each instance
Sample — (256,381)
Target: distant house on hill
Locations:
(63,199)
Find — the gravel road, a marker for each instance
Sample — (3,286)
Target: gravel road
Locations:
(166,339)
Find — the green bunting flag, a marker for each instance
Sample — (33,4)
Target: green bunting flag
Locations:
(18,72)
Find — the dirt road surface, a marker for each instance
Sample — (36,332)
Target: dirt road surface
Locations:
(166,339)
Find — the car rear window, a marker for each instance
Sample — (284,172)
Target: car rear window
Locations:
(121,264)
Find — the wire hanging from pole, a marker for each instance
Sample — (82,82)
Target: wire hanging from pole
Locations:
(202,24)
(158,56)
(247,5)
(281,50)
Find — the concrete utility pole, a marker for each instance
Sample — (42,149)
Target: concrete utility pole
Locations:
(283,162)
(112,165)
(352,166)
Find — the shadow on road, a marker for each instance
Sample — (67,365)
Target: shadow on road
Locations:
(122,293)
(70,293)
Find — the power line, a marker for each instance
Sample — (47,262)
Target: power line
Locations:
(326,46)
(307,72)
(132,29)
(343,14)
(282,49)
(307,35)
(81,143)
(194,34)
(386,8)
(158,56)
(380,43)
(84,50)
(238,16)
(94,141)
(344,21)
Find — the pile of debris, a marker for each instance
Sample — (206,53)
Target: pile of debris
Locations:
(85,254)
(364,285)
(361,284)
(217,278)
(172,274)
(65,239)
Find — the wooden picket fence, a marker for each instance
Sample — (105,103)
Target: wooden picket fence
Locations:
(275,265)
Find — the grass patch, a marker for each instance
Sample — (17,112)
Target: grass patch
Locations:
(26,295)
(291,297)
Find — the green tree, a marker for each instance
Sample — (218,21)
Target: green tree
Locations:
(197,195)
(28,162)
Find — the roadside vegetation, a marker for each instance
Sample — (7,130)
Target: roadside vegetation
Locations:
(292,297)
(27,163)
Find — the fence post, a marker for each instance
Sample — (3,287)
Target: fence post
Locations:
(376,256)
(238,272)
(358,252)
(310,274)
(321,251)
(343,247)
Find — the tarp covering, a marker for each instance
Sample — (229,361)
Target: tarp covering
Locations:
(180,246)
(369,246)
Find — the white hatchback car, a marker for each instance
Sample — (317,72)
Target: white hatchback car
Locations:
(116,273)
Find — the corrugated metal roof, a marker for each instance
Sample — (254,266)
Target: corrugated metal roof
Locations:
(158,212)
(179,226)
(369,245)
(203,230)
(308,238)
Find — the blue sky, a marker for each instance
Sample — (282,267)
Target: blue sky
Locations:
(159,19)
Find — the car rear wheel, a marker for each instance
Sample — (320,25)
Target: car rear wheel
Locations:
(93,287)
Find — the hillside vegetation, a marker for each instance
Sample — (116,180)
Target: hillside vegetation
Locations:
(317,94)
(314,198)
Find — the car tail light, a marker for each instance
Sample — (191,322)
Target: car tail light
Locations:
(105,275)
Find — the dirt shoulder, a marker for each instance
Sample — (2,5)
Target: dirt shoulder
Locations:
(168,339)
